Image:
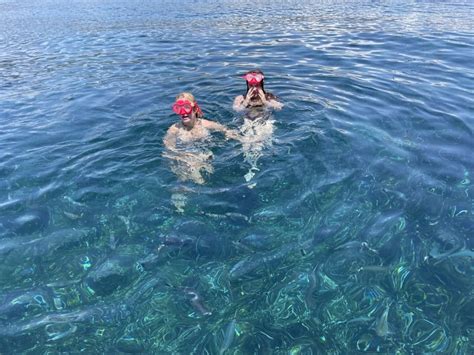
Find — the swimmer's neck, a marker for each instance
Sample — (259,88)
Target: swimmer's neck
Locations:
(191,126)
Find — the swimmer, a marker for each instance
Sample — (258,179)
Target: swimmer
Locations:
(257,128)
(256,96)
(185,141)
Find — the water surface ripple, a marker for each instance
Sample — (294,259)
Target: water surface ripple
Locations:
(357,236)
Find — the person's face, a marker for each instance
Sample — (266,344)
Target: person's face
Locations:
(188,119)
(254,79)
(186,111)
(254,91)
(255,94)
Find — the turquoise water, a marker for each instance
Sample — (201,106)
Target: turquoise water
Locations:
(354,237)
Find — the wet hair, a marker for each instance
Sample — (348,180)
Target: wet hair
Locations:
(268,95)
(190,97)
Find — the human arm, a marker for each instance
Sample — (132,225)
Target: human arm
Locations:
(239,103)
(170,138)
(177,153)
(274,104)
(269,100)
(214,126)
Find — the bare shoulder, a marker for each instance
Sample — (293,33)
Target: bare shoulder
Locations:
(210,124)
(238,103)
(239,99)
(206,123)
(275,104)
(171,133)
(170,137)
(273,101)
(173,129)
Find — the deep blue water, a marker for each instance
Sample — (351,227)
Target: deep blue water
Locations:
(355,236)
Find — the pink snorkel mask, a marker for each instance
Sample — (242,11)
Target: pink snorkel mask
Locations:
(184,107)
(253,79)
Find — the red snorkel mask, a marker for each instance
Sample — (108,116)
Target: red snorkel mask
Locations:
(185,107)
(253,78)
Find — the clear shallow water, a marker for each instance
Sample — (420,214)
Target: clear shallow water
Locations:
(356,238)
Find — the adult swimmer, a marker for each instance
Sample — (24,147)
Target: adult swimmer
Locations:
(257,128)
(256,96)
(186,142)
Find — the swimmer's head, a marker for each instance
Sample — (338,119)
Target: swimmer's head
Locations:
(187,108)
(254,77)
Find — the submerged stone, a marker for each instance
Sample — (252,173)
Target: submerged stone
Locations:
(152,260)
(206,244)
(256,241)
(16,304)
(31,222)
(111,274)
(130,345)
(191,227)
(26,246)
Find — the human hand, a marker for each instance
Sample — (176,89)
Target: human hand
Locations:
(254,92)
(249,96)
(231,134)
(275,104)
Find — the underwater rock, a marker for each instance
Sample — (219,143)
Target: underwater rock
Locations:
(269,215)
(93,191)
(384,233)
(323,235)
(152,260)
(192,228)
(90,315)
(112,273)
(447,241)
(256,261)
(390,251)
(7,245)
(381,224)
(242,200)
(3,230)
(59,331)
(244,267)
(101,314)
(256,241)
(177,240)
(208,245)
(24,247)
(228,336)
(64,238)
(314,284)
(196,301)
(427,337)
(130,345)
(466,313)
(436,256)
(237,218)
(16,304)
(33,221)
(452,269)
(212,246)
(17,223)
(381,325)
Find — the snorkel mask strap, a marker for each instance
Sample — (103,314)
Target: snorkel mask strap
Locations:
(198,109)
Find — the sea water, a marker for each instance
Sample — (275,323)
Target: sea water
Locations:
(353,232)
